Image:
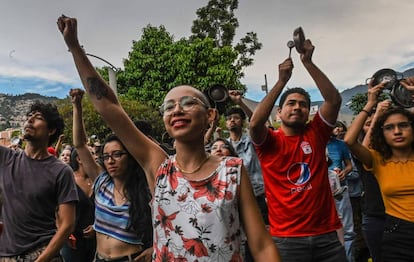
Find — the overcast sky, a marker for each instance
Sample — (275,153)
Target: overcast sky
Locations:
(353,38)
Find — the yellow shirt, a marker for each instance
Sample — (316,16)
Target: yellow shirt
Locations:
(396,181)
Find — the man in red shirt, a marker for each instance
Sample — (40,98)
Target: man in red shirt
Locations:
(302,215)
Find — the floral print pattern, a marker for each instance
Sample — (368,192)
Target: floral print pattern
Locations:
(197,220)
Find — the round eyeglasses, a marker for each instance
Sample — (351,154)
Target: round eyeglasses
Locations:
(186,103)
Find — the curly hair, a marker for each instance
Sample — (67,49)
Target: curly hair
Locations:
(53,119)
(377,139)
(136,190)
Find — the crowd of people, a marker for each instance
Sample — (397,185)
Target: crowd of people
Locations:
(259,194)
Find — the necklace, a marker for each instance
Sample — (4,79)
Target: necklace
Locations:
(196,169)
(82,179)
(119,192)
(88,180)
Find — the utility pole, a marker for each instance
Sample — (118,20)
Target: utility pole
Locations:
(111,73)
(264,88)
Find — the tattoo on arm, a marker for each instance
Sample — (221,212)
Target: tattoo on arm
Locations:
(96,88)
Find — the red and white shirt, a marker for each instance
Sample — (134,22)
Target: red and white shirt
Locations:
(295,172)
(197,220)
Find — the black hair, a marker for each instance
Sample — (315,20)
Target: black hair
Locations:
(341,124)
(53,119)
(74,164)
(377,139)
(145,127)
(295,90)
(137,191)
(226,142)
(236,110)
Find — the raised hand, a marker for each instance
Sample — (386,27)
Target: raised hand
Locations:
(76,95)
(285,70)
(235,96)
(408,83)
(306,57)
(382,107)
(68,27)
(374,92)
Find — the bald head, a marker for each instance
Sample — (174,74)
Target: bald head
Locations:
(186,89)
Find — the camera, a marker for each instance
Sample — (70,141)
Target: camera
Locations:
(398,93)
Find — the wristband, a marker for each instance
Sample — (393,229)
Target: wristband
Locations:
(363,110)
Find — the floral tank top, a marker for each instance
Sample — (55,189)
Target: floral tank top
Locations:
(197,220)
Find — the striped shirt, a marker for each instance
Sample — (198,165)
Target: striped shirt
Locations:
(112,219)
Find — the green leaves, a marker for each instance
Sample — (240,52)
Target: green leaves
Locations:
(94,125)
(157,63)
(358,102)
(218,22)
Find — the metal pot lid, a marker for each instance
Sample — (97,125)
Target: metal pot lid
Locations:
(299,39)
(385,74)
(218,93)
(402,96)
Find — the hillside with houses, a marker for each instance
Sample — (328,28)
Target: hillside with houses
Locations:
(13,109)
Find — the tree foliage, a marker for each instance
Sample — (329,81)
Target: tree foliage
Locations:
(157,63)
(218,21)
(358,102)
(94,124)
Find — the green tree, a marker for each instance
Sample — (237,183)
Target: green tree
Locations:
(157,63)
(94,124)
(150,69)
(218,21)
(358,102)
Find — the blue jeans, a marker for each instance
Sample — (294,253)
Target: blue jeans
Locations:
(373,229)
(344,208)
(320,248)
